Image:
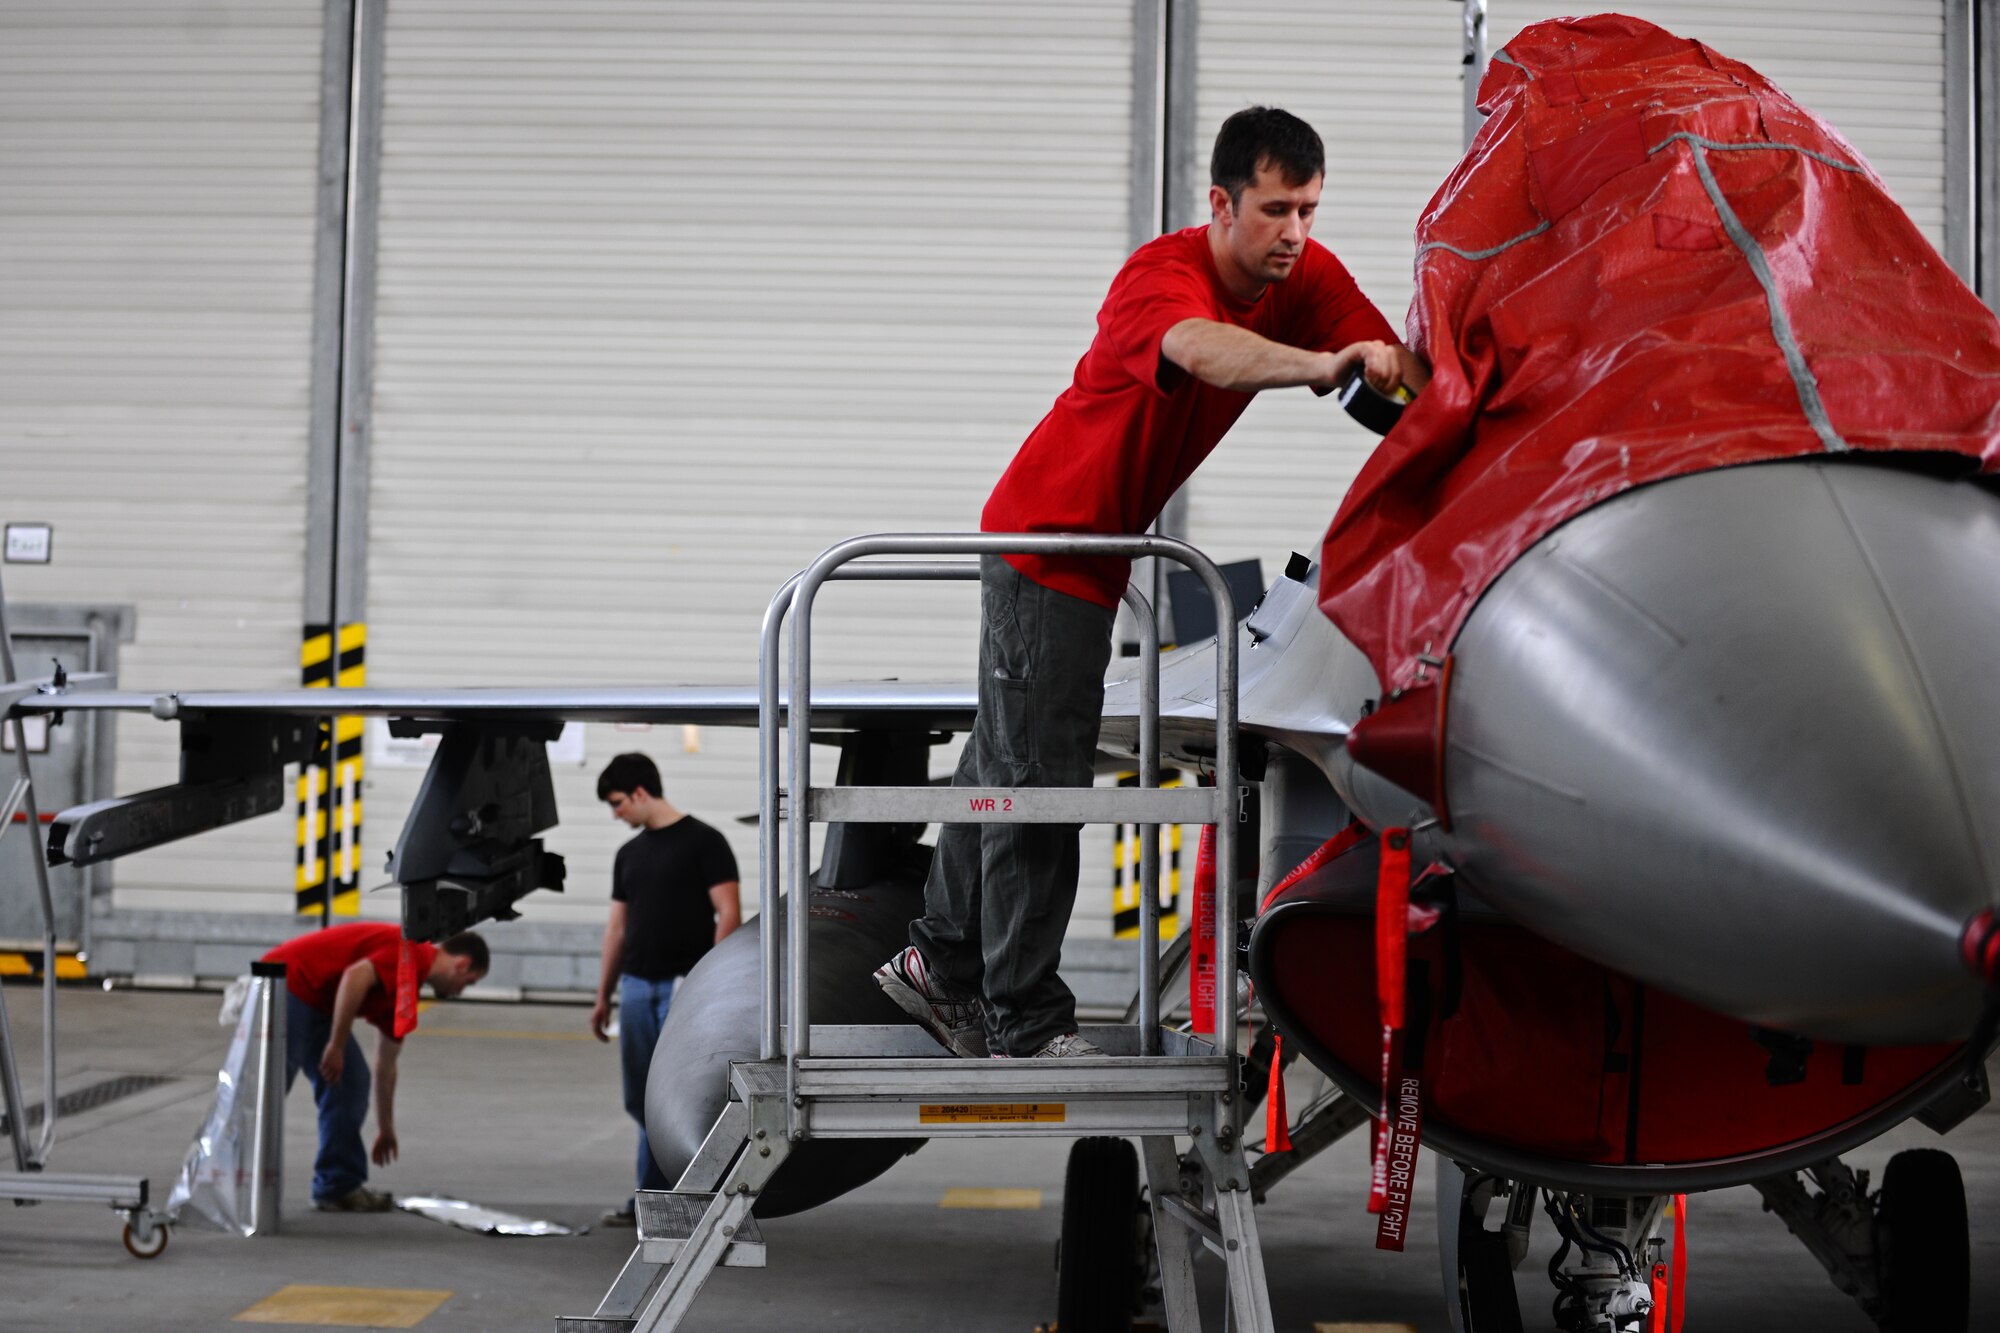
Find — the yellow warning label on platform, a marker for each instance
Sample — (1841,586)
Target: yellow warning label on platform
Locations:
(992,1113)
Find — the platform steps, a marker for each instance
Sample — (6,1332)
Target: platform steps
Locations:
(667,1220)
(914,1090)
(815,1081)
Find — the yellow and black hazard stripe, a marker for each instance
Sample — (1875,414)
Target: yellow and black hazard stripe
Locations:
(329,791)
(28,963)
(1125,887)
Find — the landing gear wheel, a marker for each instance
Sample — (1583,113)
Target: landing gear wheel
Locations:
(1099,1262)
(1923,1248)
(1486,1297)
(146,1245)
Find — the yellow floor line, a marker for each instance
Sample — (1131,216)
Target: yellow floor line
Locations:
(353,1307)
(965,1197)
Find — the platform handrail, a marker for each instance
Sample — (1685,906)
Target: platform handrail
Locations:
(798,597)
(769,879)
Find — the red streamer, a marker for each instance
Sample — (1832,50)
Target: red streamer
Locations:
(1277,1128)
(1392,912)
(1201,963)
(1340,843)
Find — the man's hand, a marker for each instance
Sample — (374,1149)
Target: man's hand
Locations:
(600,1015)
(1380,363)
(332,1061)
(384,1151)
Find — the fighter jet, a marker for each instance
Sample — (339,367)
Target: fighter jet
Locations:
(1622,767)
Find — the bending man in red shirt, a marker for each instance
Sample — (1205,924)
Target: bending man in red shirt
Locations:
(1196,323)
(332,977)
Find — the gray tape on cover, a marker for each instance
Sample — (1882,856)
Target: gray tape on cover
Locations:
(1803,381)
(1781,327)
(1761,146)
(1501,248)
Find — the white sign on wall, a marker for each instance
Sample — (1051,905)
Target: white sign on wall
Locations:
(34,730)
(415,751)
(30,543)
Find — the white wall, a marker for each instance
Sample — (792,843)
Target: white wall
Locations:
(156,256)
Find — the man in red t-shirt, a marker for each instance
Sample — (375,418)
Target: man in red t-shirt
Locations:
(332,977)
(1196,323)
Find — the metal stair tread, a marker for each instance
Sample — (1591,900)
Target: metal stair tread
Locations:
(668,1218)
(673,1215)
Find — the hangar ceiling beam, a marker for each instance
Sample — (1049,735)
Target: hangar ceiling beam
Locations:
(1475,64)
(1985,130)
(1148,112)
(1166,180)
(350,159)
(1183,145)
(334,613)
(1961,139)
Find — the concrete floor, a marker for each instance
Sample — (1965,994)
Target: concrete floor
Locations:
(513,1106)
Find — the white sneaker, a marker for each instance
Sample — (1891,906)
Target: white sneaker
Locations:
(1069,1044)
(954,1017)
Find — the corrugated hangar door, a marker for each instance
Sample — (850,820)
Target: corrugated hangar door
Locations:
(1381,84)
(156,283)
(1876,71)
(673,297)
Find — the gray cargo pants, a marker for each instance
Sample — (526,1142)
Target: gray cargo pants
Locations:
(999,896)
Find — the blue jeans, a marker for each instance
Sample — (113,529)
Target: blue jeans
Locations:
(642,1012)
(342,1164)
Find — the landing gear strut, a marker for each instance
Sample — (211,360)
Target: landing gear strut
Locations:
(1609,1269)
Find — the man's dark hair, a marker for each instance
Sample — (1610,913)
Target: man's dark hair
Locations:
(1260,134)
(629,773)
(468,945)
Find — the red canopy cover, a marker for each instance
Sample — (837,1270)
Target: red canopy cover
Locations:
(1650,262)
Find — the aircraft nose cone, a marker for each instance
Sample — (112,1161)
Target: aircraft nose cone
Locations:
(1738,735)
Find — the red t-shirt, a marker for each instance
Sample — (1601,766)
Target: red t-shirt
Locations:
(1133,426)
(314,961)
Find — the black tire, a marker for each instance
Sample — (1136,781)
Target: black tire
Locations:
(1099,1267)
(1488,1302)
(1923,1248)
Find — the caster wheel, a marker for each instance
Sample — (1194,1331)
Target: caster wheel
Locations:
(1923,1249)
(1099,1266)
(148,1245)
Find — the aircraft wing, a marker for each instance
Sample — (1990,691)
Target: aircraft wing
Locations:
(469,848)
(468,851)
(857,705)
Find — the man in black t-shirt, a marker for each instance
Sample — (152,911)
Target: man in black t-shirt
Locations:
(674,895)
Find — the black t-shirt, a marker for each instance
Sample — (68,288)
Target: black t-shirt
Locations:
(663,877)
